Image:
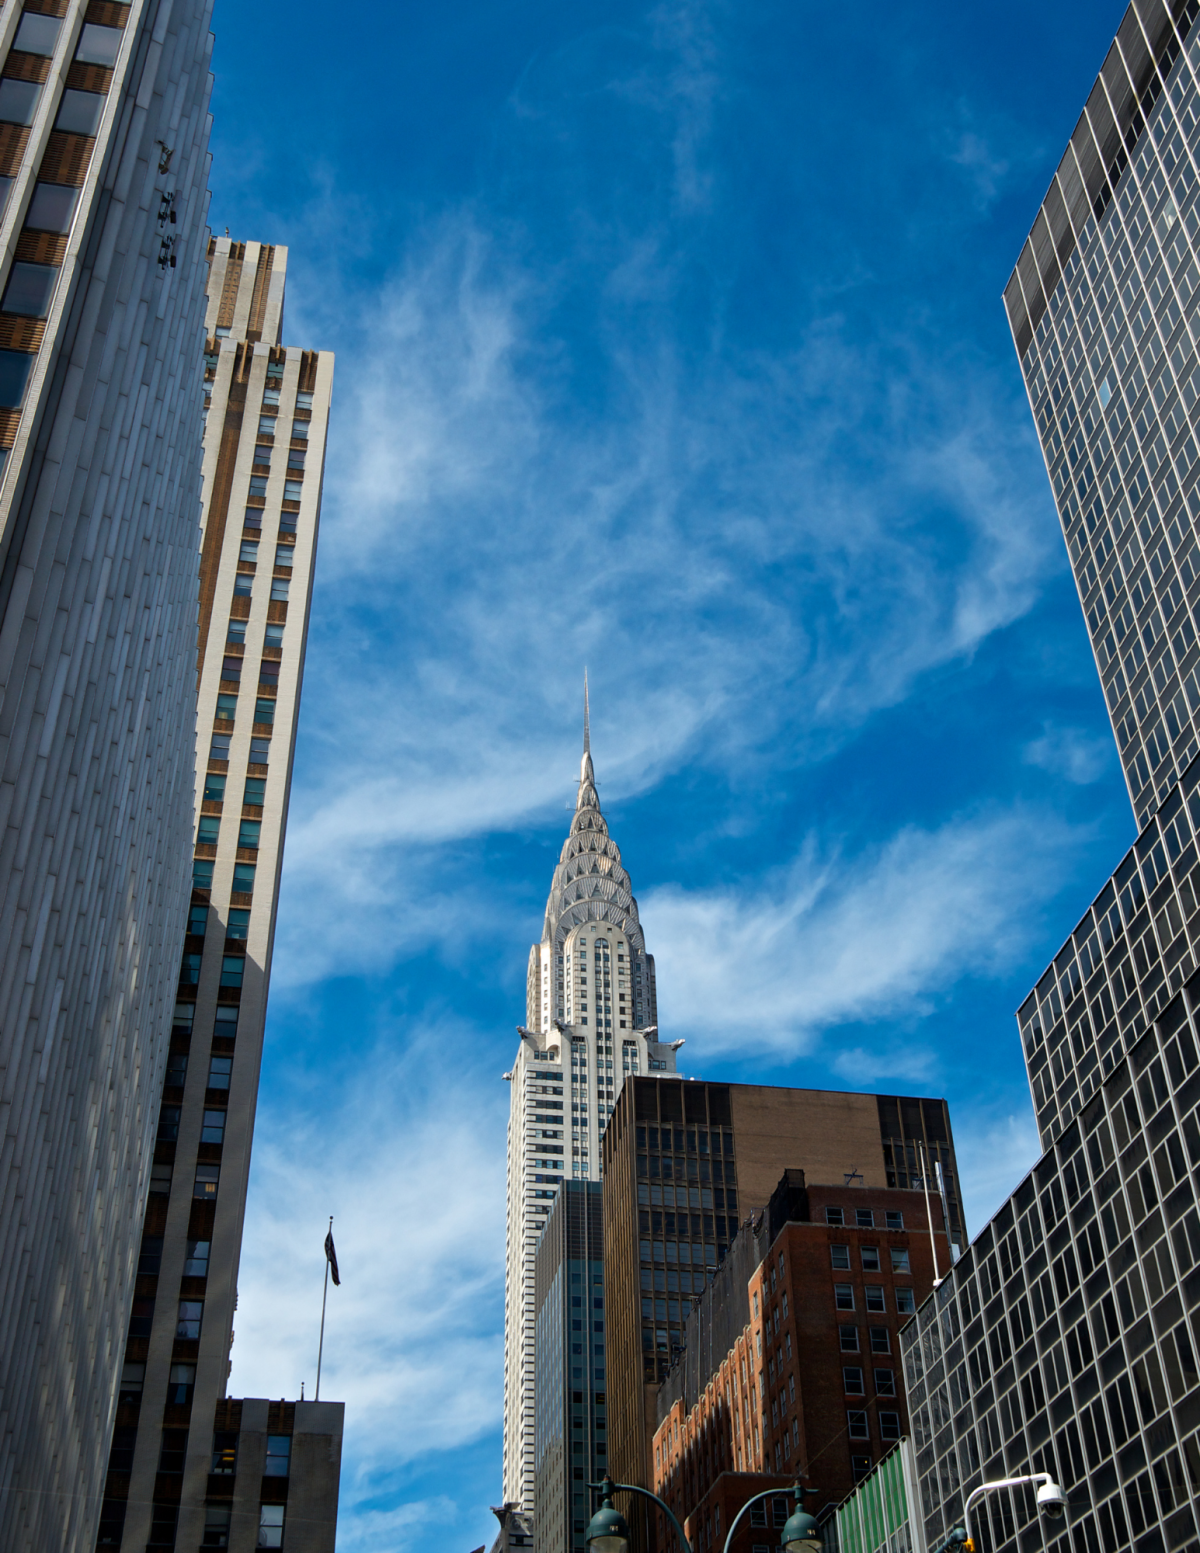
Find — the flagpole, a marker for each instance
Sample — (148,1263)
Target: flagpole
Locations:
(324,1297)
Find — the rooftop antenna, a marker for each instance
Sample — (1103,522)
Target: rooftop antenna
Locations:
(851,1177)
(587,730)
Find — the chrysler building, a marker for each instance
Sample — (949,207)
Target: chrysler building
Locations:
(590,1020)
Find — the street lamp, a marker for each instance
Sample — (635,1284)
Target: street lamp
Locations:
(608,1530)
(1051,1501)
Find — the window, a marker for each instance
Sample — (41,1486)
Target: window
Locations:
(266,425)
(856,1425)
(216,1521)
(864,1218)
(256,791)
(905,1304)
(14,365)
(18,101)
(268,671)
(224,1458)
(98,45)
(304,400)
(233,968)
(150,1256)
(213,1128)
(264,710)
(885,1383)
(840,1256)
(226,708)
(133,1377)
(895,1220)
(220,1069)
(243,585)
(168,1124)
(870,1259)
(243,878)
(843,1296)
(181,1019)
(758,1513)
(252,517)
(271,395)
(214,784)
(219,749)
(208,830)
(779,1512)
(270,1526)
(29,290)
(197,920)
(262,456)
(231,668)
(207,1179)
(189,966)
(160,1178)
(285,555)
(196,1262)
(260,751)
(249,832)
(900,1261)
(300,431)
(889,1426)
(190,1314)
(180,1384)
(249,550)
(848,1337)
(52,206)
(861,1467)
(279,589)
(295,458)
(881,1341)
(226,1020)
(36,34)
(176,1070)
(292,490)
(79,114)
(239,923)
(874,1293)
(852,1380)
(274,636)
(834,1216)
(279,1450)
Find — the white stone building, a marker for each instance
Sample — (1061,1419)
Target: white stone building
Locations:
(590,1019)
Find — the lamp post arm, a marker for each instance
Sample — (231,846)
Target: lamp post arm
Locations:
(632,1488)
(767,1493)
(977,1494)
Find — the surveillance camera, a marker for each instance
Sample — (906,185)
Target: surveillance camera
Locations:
(1051,1501)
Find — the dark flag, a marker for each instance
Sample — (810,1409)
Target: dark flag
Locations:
(331,1257)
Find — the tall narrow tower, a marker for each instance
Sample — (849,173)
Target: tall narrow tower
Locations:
(590,1021)
(266,409)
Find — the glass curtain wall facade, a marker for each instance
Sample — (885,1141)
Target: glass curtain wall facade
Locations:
(1103,307)
(266,410)
(570,1429)
(103,171)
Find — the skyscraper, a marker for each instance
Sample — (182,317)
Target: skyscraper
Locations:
(267,410)
(1103,307)
(590,1023)
(1065,1340)
(103,164)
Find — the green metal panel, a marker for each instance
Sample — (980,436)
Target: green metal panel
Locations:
(877,1508)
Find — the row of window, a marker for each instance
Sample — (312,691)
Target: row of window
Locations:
(225,1021)
(879,1339)
(212,1128)
(865,1218)
(874,1298)
(264,709)
(233,966)
(840,1257)
(260,748)
(243,587)
(854,1385)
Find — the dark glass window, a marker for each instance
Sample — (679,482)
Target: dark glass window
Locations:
(98,45)
(256,789)
(279,1451)
(214,781)
(18,101)
(249,832)
(52,206)
(196,1263)
(78,114)
(37,34)
(220,1069)
(29,289)
(213,1127)
(209,829)
(181,1384)
(168,1124)
(233,968)
(264,710)
(243,878)
(239,923)
(14,373)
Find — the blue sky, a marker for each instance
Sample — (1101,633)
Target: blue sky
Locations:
(670,342)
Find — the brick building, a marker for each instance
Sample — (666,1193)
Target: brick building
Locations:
(684,1163)
(791,1364)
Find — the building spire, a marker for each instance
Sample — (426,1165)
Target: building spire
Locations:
(587,729)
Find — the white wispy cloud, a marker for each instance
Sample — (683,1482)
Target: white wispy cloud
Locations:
(404,1154)
(1079,756)
(831,940)
(994,1154)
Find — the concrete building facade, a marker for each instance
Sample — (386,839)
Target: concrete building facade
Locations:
(103,173)
(266,408)
(590,982)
